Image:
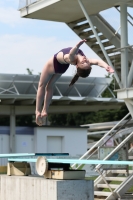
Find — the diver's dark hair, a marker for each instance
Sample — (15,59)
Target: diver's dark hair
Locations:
(80,73)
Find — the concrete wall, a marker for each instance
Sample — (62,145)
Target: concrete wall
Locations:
(38,188)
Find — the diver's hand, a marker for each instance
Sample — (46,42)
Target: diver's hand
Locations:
(81,42)
(109,69)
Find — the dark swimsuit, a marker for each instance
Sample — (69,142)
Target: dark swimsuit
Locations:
(61,68)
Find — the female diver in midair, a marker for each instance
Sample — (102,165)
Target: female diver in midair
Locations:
(55,67)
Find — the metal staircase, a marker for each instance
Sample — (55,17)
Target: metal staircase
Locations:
(122,184)
(108,36)
(111,191)
(104,186)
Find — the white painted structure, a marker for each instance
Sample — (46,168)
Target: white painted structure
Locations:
(61,140)
(44,140)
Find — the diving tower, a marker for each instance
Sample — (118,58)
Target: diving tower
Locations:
(84,19)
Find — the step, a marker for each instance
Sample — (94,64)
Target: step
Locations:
(118,63)
(81,27)
(105,44)
(116,178)
(87,33)
(94,39)
(77,21)
(100,193)
(127,197)
(121,171)
(110,50)
(130,157)
(114,186)
(115,57)
(99,199)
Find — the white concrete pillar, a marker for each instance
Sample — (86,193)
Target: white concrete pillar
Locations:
(12,129)
(124,42)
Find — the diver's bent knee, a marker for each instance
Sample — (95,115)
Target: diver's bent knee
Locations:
(49,87)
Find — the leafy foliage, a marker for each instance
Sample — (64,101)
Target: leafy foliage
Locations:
(24,120)
(76,119)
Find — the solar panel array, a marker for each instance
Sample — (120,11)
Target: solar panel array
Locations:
(21,89)
(15,84)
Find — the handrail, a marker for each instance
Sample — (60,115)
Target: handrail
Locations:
(106,140)
(101,140)
(116,149)
(26,3)
(127,14)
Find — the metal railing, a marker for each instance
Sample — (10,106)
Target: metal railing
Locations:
(25,3)
(128,14)
(99,143)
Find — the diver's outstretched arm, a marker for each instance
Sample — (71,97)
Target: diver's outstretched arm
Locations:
(102,64)
(74,50)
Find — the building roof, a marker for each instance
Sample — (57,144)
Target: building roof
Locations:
(85,95)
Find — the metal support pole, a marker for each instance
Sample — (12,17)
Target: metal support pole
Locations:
(130,75)
(12,129)
(99,41)
(124,42)
(129,106)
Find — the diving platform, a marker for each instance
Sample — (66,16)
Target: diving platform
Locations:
(55,178)
(64,11)
(64,184)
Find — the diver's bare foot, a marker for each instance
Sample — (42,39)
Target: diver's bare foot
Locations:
(43,116)
(39,119)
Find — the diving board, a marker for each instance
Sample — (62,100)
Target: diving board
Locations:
(16,155)
(60,168)
(77,161)
(31,154)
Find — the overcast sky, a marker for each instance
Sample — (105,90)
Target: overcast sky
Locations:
(28,43)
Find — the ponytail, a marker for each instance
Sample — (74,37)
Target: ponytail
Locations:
(80,73)
(75,78)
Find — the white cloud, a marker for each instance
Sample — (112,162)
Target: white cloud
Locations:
(11,16)
(8,3)
(19,52)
